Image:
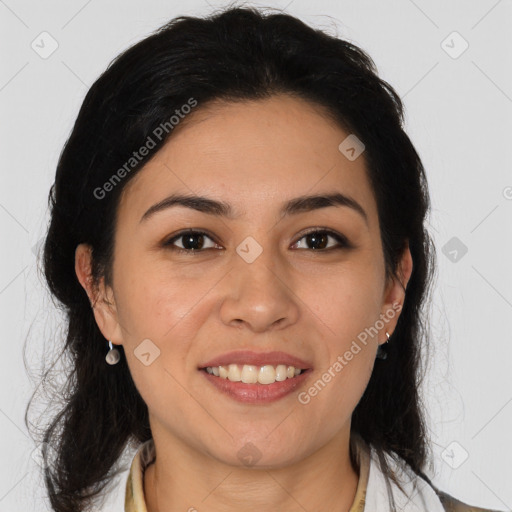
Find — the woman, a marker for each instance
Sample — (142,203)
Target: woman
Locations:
(237,235)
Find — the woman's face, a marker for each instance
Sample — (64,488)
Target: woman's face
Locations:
(254,282)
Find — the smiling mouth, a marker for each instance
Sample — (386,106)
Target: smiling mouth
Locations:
(252,374)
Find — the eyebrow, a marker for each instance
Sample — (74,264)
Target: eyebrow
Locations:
(294,206)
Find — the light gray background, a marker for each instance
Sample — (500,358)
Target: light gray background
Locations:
(459,116)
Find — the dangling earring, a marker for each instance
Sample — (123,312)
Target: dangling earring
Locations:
(381,353)
(113,355)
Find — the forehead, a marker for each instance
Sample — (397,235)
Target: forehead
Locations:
(252,154)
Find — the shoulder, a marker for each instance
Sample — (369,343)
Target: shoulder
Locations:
(452,504)
(412,489)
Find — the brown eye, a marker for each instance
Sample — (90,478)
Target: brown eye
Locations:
(192,241)
(318,240)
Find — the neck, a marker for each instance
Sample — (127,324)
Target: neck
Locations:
(184,479)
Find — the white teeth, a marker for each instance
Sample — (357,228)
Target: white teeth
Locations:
(251,374)
(234,373)
(267,374)
(281,372)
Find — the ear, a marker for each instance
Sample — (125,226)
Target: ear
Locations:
(394,295)
(101,297)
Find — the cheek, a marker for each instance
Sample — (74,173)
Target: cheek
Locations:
(161,314)
(347,301)
(346,313)
(156,301)
(339,385)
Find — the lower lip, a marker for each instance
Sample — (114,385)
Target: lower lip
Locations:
(257,393)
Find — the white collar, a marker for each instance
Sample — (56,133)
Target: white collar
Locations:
(419,495)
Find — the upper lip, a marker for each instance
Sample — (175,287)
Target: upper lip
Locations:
(257,359)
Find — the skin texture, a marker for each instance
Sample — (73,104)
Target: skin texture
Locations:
(313,304)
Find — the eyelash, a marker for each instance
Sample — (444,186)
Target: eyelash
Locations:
(341,239)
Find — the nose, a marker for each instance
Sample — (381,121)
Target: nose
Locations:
(259,295)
